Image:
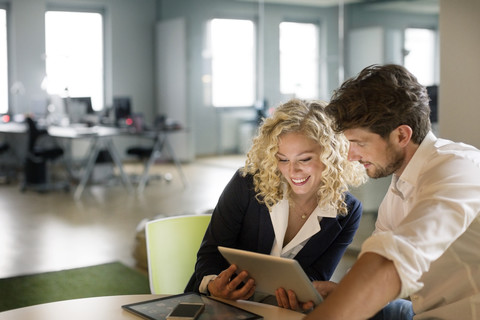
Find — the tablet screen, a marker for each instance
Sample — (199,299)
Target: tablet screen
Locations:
(158,309)
(271,273)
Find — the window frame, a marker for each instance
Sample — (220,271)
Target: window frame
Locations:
(317,68)
(7,93)
(208,75)
(101,106)
(434,62)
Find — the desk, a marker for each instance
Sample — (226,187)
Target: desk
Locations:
(105,308)
(100,138)
(13,127)
(161,142)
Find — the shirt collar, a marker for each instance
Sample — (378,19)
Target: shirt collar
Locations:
(279,217)
(405,184)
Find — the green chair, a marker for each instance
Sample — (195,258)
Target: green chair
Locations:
(172,246)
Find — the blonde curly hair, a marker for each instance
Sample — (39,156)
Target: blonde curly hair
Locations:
(308,118)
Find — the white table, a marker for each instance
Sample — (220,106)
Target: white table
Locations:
(13,127)
(100,138)
(105,308)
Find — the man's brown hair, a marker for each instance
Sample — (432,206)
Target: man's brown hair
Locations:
(381,98)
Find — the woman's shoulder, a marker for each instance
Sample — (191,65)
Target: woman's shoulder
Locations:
(240,174)
(353,204)
(240,179)
(349,197)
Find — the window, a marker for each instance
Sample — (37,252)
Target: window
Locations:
(420,54)
(74,55)
(232,54)
(299,55)
(3,63)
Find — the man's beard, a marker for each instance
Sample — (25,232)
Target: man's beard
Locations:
(395,158)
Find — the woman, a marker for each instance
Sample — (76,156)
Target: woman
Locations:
(290,200)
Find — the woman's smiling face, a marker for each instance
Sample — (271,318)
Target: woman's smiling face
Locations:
(299,162)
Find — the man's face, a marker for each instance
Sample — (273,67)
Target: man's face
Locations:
(380,157)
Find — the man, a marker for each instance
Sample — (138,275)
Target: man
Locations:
(426,243)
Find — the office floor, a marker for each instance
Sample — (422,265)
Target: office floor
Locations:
(42,232)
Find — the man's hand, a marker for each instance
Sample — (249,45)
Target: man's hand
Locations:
(223,286)
(324,287)
(288,300)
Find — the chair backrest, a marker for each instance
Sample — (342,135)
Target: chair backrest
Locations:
(33,133)
(172,245)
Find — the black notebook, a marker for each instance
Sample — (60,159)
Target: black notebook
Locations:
(158,309)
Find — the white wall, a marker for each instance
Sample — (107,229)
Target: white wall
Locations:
(172,82)
(459,111)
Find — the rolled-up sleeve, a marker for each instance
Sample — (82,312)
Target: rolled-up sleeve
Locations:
(408,263)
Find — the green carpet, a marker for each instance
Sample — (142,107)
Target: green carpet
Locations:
(101,280)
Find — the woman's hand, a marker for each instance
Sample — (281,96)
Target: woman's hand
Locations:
(223,286)
(324,287)
(288,300)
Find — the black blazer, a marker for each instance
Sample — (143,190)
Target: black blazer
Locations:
(239,221)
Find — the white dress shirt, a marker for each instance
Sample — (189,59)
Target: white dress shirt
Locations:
(428,225)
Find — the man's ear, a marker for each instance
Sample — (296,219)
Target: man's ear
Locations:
(403,135)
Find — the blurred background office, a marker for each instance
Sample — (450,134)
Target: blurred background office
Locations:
(170,57)
(218,66)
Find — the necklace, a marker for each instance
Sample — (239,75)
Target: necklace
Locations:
(303,213)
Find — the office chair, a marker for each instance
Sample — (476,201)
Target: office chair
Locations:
(39,157)
(4,146)
(5,173)
(172,245)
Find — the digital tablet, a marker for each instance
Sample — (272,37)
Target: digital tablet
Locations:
(271,273)
(161,308)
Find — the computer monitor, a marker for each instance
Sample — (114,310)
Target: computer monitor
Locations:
(77,108)
(433,95)
(122,109)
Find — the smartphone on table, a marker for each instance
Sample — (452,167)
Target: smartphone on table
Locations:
(186,311)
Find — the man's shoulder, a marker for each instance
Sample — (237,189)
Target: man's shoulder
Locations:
(451,151)
(434,148)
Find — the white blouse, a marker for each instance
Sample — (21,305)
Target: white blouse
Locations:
(279,216)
